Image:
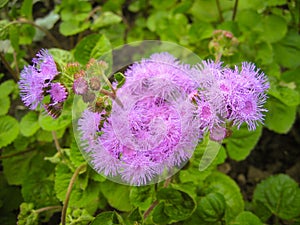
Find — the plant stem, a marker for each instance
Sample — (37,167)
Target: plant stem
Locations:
(235,9)
(48,208)
(149,210)
(155,203)
(68,194)
(218,57)
(57,146)
(219,10)
(16,153)
(9,68)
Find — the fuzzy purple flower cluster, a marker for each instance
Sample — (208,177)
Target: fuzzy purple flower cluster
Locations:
(154,131)
(37,81)
(166,108)
(227,95)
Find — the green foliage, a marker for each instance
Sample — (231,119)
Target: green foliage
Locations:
(242,141)
(175,205)
(211,208)
(247,218)
(9,129)
(280,195)
(92,46)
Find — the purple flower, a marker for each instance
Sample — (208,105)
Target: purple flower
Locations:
(31,87)
(155,130)
(231,95)
(58,93)
(45,64)
(88,125)
(34,80)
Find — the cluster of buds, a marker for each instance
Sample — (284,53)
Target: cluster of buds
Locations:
(223,43)
(91,82)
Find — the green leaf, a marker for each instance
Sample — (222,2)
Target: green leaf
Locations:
(3,3)
(242,141)
(211,208)
(223,184)
(135,216)
(72,27)
(4,105)
(248,20)
(102,46)
(280,117)
(274,28)
(117,195)
(205,11)
(26,34)
(31,189)
(9,130)
(29,124)
(106,19)
(61,57)
(75,154)
(26,9)
(265,53)
(142,197)
(162,4)
(285,94)
(46,136)
(49,124)
(120,78)
(14,36)
(86,197)
(4,29)
(281,195)
(247,218)
(27,215)
(92,46)
(200,31)
(7,87)
(178,204)
(159,216)
(287,51)
(78,216)
(17,167)
(206,156)
(108,218)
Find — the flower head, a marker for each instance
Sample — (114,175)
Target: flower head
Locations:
(36,79)
(154,131)
(45,64)
(233,95)
(31,87)
(58,93)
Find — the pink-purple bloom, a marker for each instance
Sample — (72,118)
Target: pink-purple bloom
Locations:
(58,93)
(155,130)
(45,64)
(231,95)
(31,87)
(37,81)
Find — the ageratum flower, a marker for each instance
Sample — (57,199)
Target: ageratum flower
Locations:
(45,64)
(58,93)
(31,87)
(35,79)
(231,95)
(155,129)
